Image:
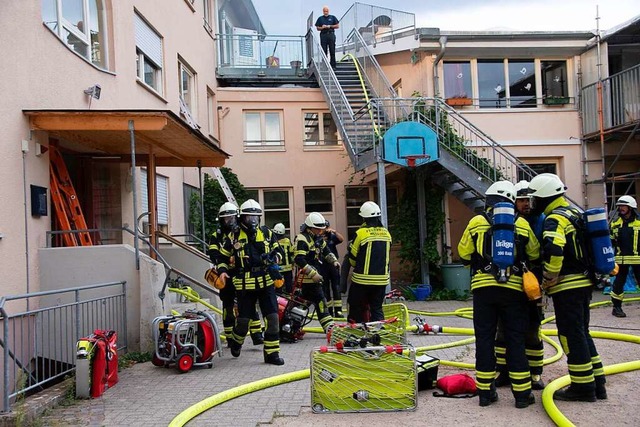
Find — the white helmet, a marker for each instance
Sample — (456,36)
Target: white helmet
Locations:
(504,189)
(627,201)
(315,220)
(227,209)
(279,228)
(250,207)
(370,210)
(522,189)
(546,185)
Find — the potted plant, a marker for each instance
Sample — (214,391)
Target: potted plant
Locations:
(459,100)
(556,100)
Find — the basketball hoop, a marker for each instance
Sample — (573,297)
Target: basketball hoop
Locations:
(411,160)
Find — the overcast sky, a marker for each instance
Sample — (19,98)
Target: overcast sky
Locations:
(288,17)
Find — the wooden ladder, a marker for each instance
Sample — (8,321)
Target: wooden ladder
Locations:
(65,202)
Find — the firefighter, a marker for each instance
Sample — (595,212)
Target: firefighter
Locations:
(497,300)
(253,250)
(532,338)
(566,278)
(311,252)
(331,283)
(287,261)
(369,257)
(227,223)
(625,236)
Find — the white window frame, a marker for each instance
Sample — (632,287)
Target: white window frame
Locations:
(84,36)
(331,196)
(149,50)
(211,113)
(263,144)
(188,94)
(162,199)
(207,16)
(321,144)
(260,199)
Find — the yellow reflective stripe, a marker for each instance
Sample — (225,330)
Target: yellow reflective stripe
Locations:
(521,387)
(485,375)
(581,380)
(580,368)
(519,375)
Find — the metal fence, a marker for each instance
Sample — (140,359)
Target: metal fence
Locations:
(261,51)
(375,24)
(620,101)
(40,331)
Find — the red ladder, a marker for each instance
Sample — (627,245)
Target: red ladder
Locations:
(65,202)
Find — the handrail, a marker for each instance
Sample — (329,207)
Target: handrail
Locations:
(182,245)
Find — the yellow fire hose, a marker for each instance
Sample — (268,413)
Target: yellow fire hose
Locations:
(467,312)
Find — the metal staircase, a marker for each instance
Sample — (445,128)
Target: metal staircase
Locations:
(364,105)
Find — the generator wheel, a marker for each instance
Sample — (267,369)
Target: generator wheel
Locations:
(156,361)
(185,362)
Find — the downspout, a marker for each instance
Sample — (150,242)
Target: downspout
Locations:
(436,78)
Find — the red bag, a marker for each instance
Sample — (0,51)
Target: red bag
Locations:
(456,385)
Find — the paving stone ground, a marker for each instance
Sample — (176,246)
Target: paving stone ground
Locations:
(151,396)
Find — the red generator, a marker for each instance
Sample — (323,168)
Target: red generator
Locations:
(191,339)
(293,315)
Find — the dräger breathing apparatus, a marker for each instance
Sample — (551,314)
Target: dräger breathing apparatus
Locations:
(503,240)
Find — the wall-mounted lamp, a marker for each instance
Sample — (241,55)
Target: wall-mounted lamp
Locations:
(94,91)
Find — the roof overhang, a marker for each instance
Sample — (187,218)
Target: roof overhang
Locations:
(106,134)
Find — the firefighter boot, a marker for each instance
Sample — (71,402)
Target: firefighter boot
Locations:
(488,397)
(570,394)
(235,347)
(524,401)
(536,382)
(617,311)
(601,390)
(257,338)
(273,358)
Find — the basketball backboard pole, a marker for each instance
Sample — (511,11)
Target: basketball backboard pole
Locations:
(422,224)
(382,193)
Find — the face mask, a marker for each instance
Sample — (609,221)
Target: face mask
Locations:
(251,221)
(228,222)
(537,207)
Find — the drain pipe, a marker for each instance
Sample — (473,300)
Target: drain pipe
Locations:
(436,78)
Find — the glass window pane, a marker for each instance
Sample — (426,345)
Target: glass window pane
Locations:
(538,168)
(457,80)
(252,127)
(330,129)
(554,78)
(491,83)
(311,129)
(522,83)
(272,128)
(318,200)
(49,14)
(75,43)
(271,218)
(72,11)
(97,32)
(276,199)
(150,74)
(356,196)
(251,194)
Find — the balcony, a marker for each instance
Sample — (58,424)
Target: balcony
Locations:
(620,102)
(257,59)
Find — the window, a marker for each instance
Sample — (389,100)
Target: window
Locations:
(318,200)
(554,79)
(491,84)
(206,8)
(522,83)
(262,130)
(211,113)
(538,168)
(81,25)
(162,198)
(190,193)
(320,129)
(148,54)
(186,83)
(457,79)
(624,184)
(355,197)
(275,205)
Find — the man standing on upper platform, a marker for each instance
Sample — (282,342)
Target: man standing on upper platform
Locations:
(327,24)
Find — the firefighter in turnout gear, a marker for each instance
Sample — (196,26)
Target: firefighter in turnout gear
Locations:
(227,219)
(497,300)
(286,268)
(311,252)
(252,250)
(625,236)
(566,278)
(533,338)
(331,275)
(369,257)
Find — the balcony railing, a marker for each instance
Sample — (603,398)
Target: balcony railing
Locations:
(375,24)
(620,102)
(259,52)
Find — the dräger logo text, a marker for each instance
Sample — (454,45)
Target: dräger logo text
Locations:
(503,244)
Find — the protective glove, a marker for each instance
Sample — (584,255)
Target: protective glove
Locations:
(312,273)
(337,265)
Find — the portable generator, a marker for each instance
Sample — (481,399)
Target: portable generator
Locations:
(191,339)
(293,315)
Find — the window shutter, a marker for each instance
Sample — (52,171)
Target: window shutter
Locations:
(162,197)
(148,41)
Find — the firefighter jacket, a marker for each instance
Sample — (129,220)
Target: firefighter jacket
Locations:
(564,261)
(287,250)
(475,250)
(369,256)
(252,255)
(625,236)
(215,241)
(310,252)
